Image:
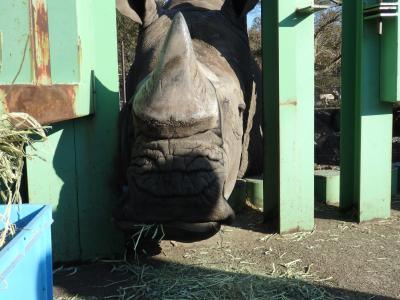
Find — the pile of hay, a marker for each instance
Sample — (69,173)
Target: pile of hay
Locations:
(17,130)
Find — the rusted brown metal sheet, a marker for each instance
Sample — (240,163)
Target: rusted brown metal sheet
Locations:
(40,42)
(47,104)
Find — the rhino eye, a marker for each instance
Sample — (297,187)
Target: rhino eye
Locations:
(242,107)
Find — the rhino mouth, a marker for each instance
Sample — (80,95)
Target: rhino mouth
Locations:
(177,182)
(196,172)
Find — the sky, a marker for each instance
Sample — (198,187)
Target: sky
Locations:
(256,12)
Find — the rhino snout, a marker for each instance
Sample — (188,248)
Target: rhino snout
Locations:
(177,180)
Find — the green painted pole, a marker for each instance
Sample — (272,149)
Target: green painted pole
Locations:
(288,66)
(96,142)
(75,170)
(366,120)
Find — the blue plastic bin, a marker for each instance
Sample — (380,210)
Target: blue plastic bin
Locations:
(25,261)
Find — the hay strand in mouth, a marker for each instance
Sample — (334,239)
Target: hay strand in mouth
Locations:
(17,131)
(154,232)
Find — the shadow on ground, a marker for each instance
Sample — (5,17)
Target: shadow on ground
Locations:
(321,211)
(156,279)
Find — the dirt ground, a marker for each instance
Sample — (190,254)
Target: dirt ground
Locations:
(340,259)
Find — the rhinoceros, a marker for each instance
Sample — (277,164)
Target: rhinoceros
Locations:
(193,121)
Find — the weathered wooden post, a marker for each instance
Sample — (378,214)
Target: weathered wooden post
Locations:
(288,66)
(370,84)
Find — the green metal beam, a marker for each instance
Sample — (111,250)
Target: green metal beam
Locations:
(327,186)
(75,169)
(310,9)
(96,142)
(288,64)
(366,121)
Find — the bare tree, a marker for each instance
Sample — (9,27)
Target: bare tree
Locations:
(328,52)
(328,40)
(255,39)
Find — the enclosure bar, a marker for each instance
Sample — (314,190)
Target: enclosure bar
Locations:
(77,160)
(288,58)
(366,122)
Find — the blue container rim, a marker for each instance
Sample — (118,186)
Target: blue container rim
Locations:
(19,245)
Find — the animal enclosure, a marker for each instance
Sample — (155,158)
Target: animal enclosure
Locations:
(59,63)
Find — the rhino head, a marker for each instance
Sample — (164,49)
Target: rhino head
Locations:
(190,84)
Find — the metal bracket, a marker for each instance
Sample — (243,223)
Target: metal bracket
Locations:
(310,9)
(381,10)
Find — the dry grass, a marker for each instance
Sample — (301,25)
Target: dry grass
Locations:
(17,130)
(214,273)
(176,281)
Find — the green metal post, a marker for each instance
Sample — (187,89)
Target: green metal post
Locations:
(288,65)
(327,186)
(366,120)
(96,143)
(75,170)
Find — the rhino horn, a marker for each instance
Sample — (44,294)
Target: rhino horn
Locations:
(177,92)
(178,47)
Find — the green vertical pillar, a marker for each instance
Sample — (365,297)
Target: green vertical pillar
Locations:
(75,169)
(288,81)
(366,120)
(96,143)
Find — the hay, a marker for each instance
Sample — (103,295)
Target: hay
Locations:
(176,281)
(142,233)
(17,130)
(153,231)
(214,273)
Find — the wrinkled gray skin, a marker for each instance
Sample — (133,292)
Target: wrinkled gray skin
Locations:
(194,119)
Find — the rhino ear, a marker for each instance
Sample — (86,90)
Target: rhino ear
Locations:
(143,12)
(239,8)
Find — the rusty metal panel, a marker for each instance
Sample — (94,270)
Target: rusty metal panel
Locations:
(47,100)
(40,42)
(56,101)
